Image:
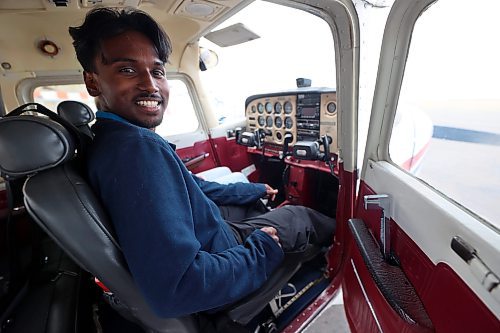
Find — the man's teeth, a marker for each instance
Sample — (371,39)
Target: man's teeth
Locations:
(149,104)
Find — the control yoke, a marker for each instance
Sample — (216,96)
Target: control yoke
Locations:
(310,150)
(250,139)
(287,139)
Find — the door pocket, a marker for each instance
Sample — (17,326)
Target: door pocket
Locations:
(390,279)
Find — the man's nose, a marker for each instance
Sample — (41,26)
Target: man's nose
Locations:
(148,83)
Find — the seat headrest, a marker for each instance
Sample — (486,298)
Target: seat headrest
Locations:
(75,112)
(29,144)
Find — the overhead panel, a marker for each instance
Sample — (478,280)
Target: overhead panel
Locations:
(111,3)
(200,9)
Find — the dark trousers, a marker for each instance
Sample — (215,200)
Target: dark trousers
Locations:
(297,226)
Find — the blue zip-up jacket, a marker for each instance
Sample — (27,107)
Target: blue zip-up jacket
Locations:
(181,253)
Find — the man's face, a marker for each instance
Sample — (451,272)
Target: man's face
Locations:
(130,79)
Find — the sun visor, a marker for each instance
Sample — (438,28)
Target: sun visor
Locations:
(233,35)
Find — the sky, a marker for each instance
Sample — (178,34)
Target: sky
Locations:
(461,48)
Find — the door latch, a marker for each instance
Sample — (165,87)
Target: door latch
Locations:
(479,269)
(383,201)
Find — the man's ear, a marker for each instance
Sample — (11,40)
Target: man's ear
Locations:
(91,83)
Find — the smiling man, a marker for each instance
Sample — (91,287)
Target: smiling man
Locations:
(183,255)
(130,79)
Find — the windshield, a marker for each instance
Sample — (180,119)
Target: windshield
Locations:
(293,44)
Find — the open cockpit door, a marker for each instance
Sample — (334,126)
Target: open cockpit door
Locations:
(425,238)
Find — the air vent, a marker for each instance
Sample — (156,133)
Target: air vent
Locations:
(200,9)
(60,3)
(112,3)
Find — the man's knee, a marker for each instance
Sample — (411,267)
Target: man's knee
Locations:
(322,226)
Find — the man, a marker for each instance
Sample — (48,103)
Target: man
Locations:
(182,254)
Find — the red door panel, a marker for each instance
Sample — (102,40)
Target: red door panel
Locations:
(231,154)
(199,157)
(211,153)
(450,304)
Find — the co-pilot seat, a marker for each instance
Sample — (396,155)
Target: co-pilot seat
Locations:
(223,175)
(58,197)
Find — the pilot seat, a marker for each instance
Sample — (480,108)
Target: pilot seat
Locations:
(49,151)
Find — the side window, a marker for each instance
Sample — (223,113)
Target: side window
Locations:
(447,126)
(50,96)
(180,116)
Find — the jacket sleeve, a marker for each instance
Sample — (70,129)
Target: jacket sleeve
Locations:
(152,212)
(231,194)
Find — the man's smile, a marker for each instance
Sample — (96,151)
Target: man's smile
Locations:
(148,103)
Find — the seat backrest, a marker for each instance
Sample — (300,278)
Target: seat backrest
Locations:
(58,197)
(78,114)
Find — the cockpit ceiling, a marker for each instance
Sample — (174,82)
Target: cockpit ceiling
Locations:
(184,20)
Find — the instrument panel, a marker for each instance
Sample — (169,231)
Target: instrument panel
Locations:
(306,114)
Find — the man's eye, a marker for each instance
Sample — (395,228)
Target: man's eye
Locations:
(126,70)
(159,73)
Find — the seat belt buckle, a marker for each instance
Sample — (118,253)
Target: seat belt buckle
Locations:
(102,286)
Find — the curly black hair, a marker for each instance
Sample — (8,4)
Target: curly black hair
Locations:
(103,23)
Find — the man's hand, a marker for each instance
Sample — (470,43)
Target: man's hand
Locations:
(271,192)
(273,233)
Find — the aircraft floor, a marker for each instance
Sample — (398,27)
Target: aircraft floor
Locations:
(331,320)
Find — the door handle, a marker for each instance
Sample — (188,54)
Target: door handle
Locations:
(376,201)
(193,160)
(479,269)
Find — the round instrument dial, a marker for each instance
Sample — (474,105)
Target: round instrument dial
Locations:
(277,107)
(260,108)
(331,107)
(269,121)
(254,109)
(288,107)
(278,122)
(269,107)
(288,122)
(261,120)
